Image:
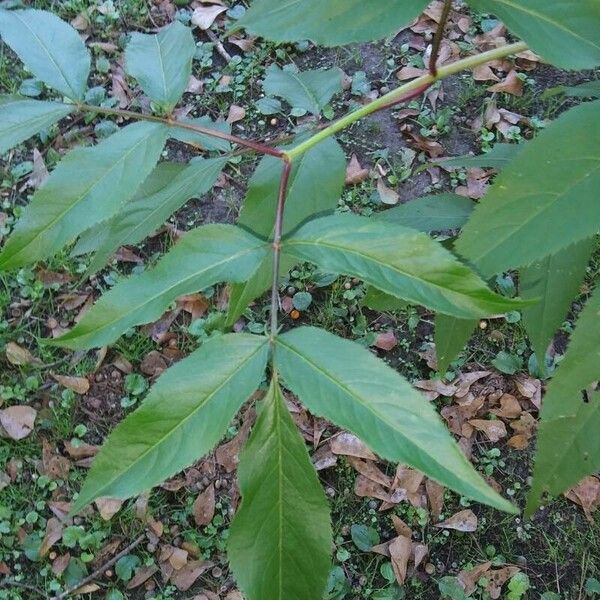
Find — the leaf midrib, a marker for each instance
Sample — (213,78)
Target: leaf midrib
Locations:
(193,412)
(422,281)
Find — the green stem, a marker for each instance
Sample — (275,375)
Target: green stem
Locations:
(403,91)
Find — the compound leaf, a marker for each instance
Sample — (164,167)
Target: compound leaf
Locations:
(343,382)
(87,187)
(431,213)
(554,281)
(309,90)
(566,34)
(331,23)
(399,261)
(203,257)
(568,441)
(315,186)
(543,201)
(50,48)
(451,335)
(280,538)
(141,217)
(21,118)
(162,63)
(184,415)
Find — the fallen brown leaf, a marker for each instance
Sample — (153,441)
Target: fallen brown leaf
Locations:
(54,531)
(512,84)
(80,385)
(354,172)
(348,444)
(465,520)
(493,430)
(108,507)
(386,341)
(204,16)
(204,506)
(435,495)
(17,355)
(17,421)
(187,576)
(468,579)
(400,552)
(236,113)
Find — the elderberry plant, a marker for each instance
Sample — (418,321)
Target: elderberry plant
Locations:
(540,216)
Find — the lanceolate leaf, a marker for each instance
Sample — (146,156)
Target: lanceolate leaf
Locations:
(185,414)
(86,187)
(141,217)
(343,382)
(280,539)
(451,335)
(543,201)
(568,440)
(566,34)
(431,213)
(315,186)
(402,262)
(310,90)
(91,239)
(162,63)
(555,281)
(331,23)
(50,48)
(203,257)
(498,157)
(21,118)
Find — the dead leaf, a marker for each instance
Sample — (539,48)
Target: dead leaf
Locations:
(509,407)
(369,470)
(244,44)
(366,488)
(400,551)
(186,577)
(204,16)
(587,494)
(17,355)
(468,579)
(386,194)
(512,84)
(465,520)
(228,454)
(484,73)
(497,578)
(435,495)
(80,385)
(60,563)
(178,558)
(141,576)
(437,386)
(194,85)
(153,364)
(39,172)
(17,421)
(401,527)
(236,113)
(108,507)
(355,173)
(204,507)
(493,430)
(53,464)
(419,552)
(54,531)
(410,73)
(348,444)
(386,341)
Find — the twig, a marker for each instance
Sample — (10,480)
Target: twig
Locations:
(23,586)
(101,569)
(218,45)
(283,184)
(438,36)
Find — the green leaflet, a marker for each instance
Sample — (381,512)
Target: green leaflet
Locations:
(498,157)
(451,335)
(280,539)
(50,48)
(162,175)
(162,63)
(331,23)
(185,414)
(140,218)
(555,280)
(543,201)
(201,139)
(568,441)
(343,382)
(431,213)
(87,186)
(589,89)
(21,118)
(203,257)
(309,90)
(566,34)
(315,186)
(399,261)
